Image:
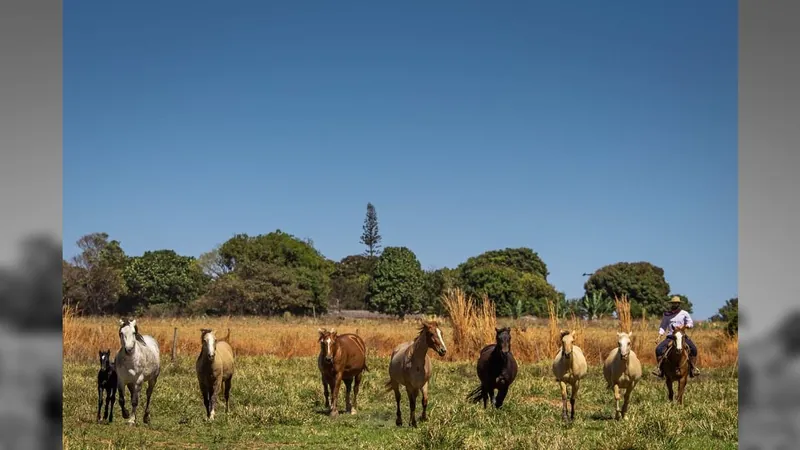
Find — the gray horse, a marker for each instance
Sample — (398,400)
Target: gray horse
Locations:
(138,360)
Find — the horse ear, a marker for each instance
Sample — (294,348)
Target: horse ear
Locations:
(572,332)
(133,323)
(320,331)
(121,322)
(497,330)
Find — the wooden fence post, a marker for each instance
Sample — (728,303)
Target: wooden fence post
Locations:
(174,342)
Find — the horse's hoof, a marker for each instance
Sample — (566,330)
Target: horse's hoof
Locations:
(398,422)
(353,412)
(333,413)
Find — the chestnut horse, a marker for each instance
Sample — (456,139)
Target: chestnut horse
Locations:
(676,364)
(341,358)
(410,366)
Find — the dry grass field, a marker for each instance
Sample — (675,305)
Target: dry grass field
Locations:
(277,396)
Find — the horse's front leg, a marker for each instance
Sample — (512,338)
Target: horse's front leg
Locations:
(682,388)
(573,396)
(348,384)
(412,405)
(502,391)
(121,390)
(337,384)
(134,389)
(213,396)
(325,391)
(99,401)
(490,393)
(627,400)
(110,399)
(424,415)
(670,393)
(618,413)
(563,386)
(150,386)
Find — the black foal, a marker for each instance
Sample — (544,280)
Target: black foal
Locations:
(106,383)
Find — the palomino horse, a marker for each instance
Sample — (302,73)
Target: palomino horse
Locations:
(215,367)
(138,360)
(497,369)
(341,358)
(622,370)
(569,367)
(410,366)
(676,364)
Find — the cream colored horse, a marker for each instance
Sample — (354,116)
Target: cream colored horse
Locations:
(215,367)
(622,369)
(410,366)
(569,367)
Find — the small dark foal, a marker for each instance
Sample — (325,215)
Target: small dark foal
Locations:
(106,383)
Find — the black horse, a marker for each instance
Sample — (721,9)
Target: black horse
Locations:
(497,369)
(106,384)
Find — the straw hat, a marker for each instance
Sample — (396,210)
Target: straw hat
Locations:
(675,299)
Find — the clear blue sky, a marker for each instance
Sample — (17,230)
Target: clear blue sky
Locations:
(592,132)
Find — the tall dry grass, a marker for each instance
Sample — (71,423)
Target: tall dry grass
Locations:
(473,324)
(554,331)
(623,307)
(297,337)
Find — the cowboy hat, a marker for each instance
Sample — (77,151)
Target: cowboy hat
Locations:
(675,299)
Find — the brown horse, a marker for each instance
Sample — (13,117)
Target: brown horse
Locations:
(496,369)
(341,358)
(410,366)
(676,364)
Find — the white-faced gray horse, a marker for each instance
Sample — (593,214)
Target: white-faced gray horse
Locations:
(138,360)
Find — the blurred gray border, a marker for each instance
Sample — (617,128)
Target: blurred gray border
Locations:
(769,215)
(769,157)
(31,209)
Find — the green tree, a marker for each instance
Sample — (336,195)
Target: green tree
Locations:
(642,282)
(595,306)
(727,310)
(270,274)
(513,292)
(515,279)
(397,284)
(729,313)
(521,259)
(436,283)
(97,275)
(350,280)
(165,280)
(371,236)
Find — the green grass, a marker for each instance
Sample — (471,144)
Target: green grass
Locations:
(277,403)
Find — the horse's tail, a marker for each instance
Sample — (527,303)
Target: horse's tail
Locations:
(476,394)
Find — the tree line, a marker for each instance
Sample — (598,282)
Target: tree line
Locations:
(277,272)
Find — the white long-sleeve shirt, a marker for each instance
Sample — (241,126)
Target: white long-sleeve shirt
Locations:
(670,321)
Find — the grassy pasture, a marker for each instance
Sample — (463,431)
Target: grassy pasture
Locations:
(279,403)
(277,397)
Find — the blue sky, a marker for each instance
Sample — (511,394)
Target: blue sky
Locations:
(592,132)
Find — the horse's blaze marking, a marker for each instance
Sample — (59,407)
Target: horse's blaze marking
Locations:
(441,339)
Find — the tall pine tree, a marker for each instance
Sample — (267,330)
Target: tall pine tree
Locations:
(370,237)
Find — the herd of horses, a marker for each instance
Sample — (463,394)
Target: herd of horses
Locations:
(343,359)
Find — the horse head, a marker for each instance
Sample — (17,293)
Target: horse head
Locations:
(208,340)
(567,337)
(678,334)
(105,360)
(327,342)
(624,345)
(503,339)
(433,337)
(128,334)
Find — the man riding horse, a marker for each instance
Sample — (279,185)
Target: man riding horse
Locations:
(673,317)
